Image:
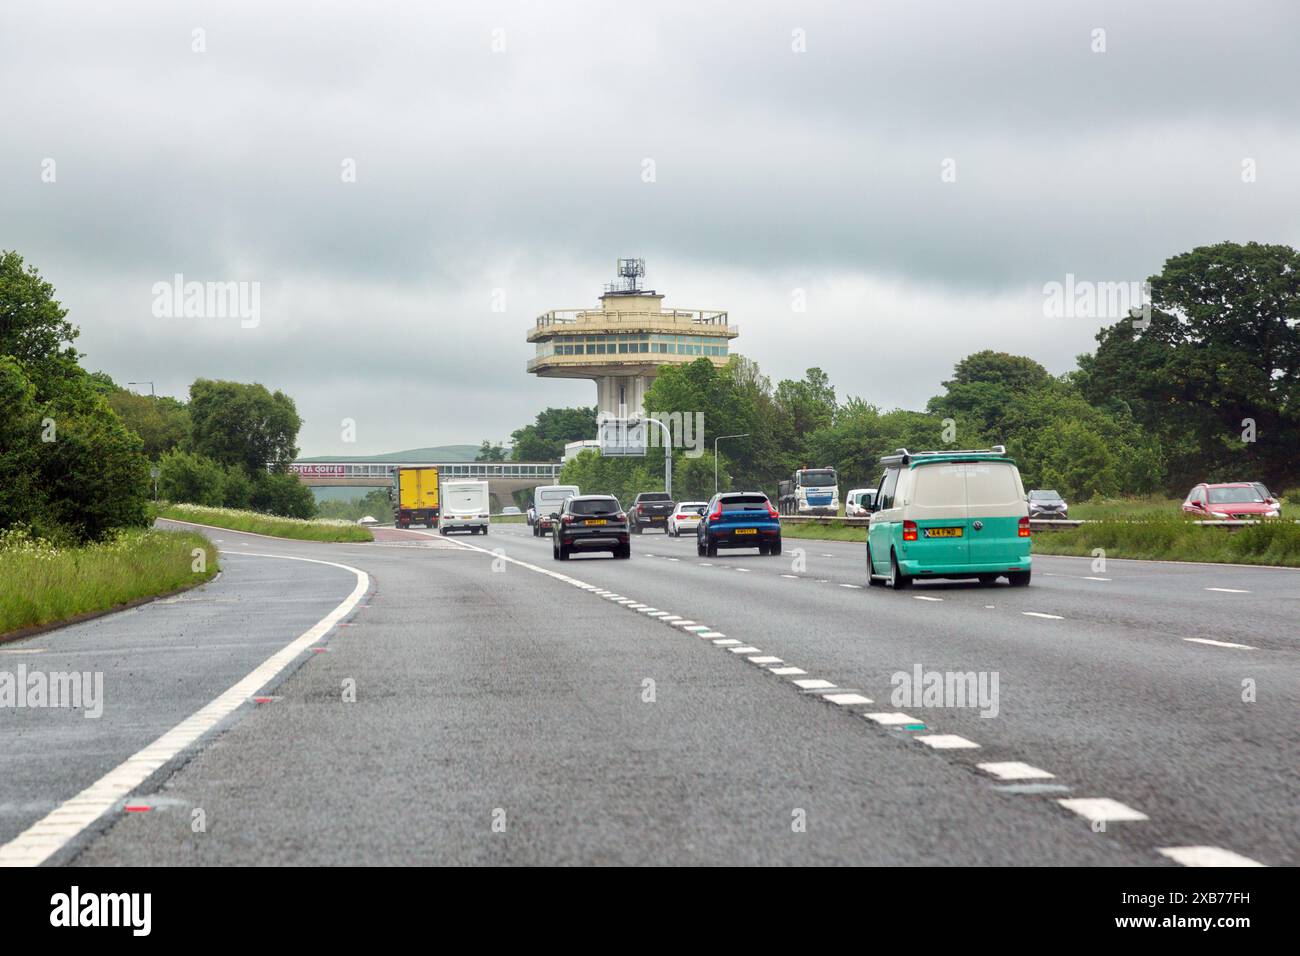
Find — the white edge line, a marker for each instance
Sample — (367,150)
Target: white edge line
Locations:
(61,825)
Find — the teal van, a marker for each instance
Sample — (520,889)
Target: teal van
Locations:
(949,514)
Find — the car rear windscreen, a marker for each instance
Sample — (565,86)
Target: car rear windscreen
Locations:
(745,503)
(594,506)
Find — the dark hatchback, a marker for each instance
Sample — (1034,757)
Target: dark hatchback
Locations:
(739,519)
(590,523)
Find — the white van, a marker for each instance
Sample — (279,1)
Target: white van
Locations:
(547,500)
(464,506)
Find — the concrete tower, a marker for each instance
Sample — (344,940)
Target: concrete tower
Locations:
(622,344)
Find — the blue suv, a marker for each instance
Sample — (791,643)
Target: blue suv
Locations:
(739,519)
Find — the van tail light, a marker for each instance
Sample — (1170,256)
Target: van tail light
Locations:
(909,530)
(1023,528)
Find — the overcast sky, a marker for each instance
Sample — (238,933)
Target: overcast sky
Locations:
(522,169)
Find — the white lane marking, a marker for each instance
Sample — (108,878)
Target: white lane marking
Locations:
(1104,809)
(647,609)
(708,634)
(24,650)
(746,570)
(697,628)
(1086,578)
(813,683)
(669,618)
(767,659)
(1015,770)
(745,650)
(674,559)
(989,607)
(682,623)
(1228,590)
(923,597)
(1206,640)
(947,742)
(828,555)
(704,564)
(857,587)
(52,832)
(795,576)
(894,718)
(846,700)
(1206,856)
(1049,617)
(727,642)
(788,671)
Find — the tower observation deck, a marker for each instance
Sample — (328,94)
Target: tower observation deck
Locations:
(622,344)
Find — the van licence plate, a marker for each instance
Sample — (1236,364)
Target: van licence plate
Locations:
(943,532)
(746,531)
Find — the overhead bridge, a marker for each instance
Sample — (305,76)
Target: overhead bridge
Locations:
(503,477)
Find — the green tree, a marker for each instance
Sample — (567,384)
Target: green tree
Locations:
(544,440)
(490,452)
(283,494)
(34,328)
(235,423)
(191,479)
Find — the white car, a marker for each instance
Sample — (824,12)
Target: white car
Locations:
(858,502)
(686,517)
(510,510)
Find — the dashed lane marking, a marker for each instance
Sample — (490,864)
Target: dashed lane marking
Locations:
(1228,590)
(847,700)
(745,650)
(707,634)
(788,671)
(1102,809)
(727,642)
(892,719)
(1206,856)
(1015,770)
(813,683)
(1206,640)
(947,742)
(856,587)
(925,597)
(1049,617)
(1095,579)
(766,659)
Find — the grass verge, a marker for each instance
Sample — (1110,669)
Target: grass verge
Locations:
(258,523)
(1173,539)
(44,584)
(823,532)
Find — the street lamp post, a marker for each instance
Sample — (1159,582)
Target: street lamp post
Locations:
(715,456)
(150,384)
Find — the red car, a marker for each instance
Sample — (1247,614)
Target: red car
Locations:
(1235,499)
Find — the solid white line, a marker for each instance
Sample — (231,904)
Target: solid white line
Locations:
(947,742)
(1015,770)
(1228,590)
(56,829)
(1050,617)
(1206,856)
(1206,640)
(1101,809)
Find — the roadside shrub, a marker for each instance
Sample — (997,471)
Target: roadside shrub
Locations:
(190,478)
(283,494)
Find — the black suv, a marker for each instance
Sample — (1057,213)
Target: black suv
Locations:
(651,510)
(590,523)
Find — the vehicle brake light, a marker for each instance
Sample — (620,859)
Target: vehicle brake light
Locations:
(716,515)
(640,509)
(772,512)
(1023,528)
(621,516)
(909,530)
(566,519)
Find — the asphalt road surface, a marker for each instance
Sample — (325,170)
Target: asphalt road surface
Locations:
(472,701)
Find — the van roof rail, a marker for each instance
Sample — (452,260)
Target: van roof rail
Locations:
(902,456)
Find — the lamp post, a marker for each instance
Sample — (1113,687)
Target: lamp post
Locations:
(715,456)
(150,384)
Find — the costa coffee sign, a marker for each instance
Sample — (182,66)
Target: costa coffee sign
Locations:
(320,471)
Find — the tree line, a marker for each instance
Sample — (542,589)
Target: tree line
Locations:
(1205,388)
(76,449)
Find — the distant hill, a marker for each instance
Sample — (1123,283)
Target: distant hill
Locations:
(437,453)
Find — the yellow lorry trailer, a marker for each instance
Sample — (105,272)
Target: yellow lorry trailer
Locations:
(415,496)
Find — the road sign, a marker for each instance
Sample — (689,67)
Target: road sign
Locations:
(621,437)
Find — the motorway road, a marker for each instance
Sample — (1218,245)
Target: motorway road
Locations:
(502,713)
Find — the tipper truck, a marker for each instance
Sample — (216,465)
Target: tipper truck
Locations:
(415,496)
